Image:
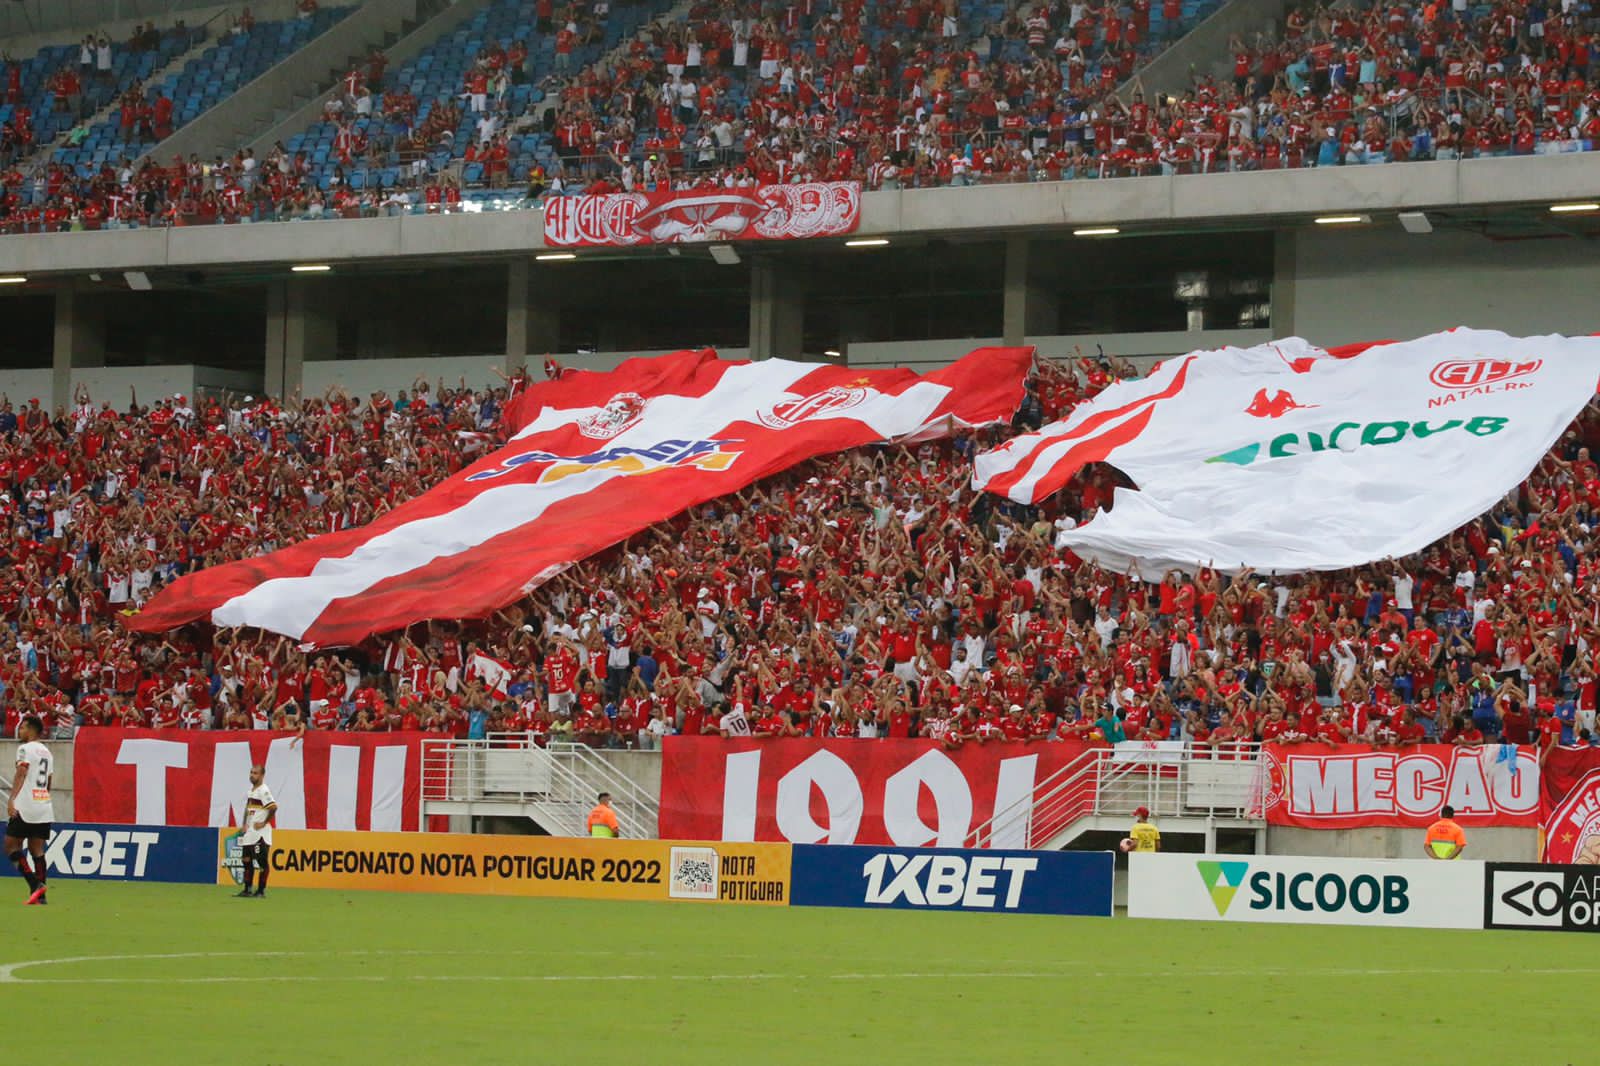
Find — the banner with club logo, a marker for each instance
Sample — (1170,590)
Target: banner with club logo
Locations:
(1349,786)
(594,458)
(1286,457)
(1417,893)
(685,216)
(1571,785)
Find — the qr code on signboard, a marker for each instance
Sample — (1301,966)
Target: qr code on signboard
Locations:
(694,873)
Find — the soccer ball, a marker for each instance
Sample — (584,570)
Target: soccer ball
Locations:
(1127,844)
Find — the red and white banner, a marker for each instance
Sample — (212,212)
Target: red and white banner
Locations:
(905,793)
(568,484)
(768,212)
(1571,785)
(1350,786)
(360,781)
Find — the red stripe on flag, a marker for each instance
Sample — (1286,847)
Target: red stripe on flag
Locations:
(1118,435)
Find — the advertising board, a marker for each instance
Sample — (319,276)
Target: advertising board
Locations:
(578,868)
(1419,893)
(990,880)
(1531,896)
(128,853)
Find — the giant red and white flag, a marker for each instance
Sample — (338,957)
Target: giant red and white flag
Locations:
(596,457)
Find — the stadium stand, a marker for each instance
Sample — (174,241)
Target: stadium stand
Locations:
(1395,82)
(888,93)
(465,112)
(51,92)
(867,594)
(149,114)
(893,93)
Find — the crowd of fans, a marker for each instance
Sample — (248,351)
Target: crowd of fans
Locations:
(1339,84)
(867,594)
(75,90)
(905,93)
(1392,82)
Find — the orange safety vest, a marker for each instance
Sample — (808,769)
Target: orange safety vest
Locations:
(603,822)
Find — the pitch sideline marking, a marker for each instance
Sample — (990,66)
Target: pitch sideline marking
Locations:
(9,971)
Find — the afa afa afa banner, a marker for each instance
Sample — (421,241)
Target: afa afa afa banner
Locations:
(1286,457)
(1352,786)
(160,777)
(684,216)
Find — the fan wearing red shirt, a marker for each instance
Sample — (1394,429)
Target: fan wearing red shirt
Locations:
(900,720)
(1549,733)
(1015,725)
(1409,731)
(164,715)
(694,719)
(561,676)
(325,717)
(1516,726)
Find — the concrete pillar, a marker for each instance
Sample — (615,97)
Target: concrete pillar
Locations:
(1283,259)
(301,325)
(80,341)
(777,311)
(272,369)
(533,316)
(1031,309)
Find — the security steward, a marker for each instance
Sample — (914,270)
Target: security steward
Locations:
(603,820)
(1444,839)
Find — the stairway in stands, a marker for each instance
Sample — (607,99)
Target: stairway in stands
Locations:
(197,83)
(305,74)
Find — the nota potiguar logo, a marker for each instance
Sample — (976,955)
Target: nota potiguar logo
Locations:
(231,854)
(1223,881)
(1348,436)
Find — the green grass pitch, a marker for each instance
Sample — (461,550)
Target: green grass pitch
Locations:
(163,974)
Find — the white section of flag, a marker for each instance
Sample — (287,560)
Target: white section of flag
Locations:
(1287,458)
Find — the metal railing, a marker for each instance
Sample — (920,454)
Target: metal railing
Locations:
(1170,778)
(555,785)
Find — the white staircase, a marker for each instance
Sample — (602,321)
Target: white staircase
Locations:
(505,775)
(1187,789)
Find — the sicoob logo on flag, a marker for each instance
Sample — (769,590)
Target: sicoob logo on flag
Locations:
(691,425)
